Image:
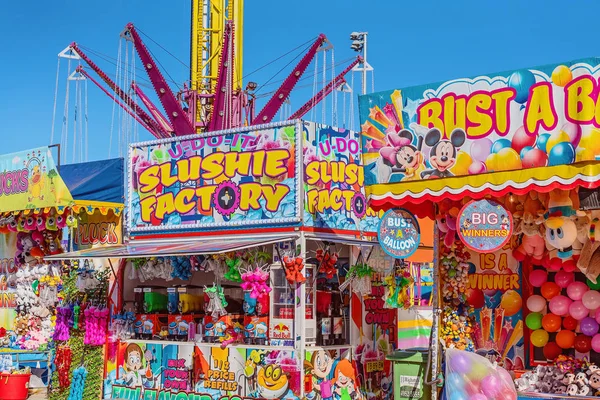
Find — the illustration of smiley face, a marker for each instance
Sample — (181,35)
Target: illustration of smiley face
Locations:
(272,382)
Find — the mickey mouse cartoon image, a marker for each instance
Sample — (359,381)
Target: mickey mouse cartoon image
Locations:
(442,155)
(402,156)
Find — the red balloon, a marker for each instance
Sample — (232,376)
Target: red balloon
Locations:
(569,323)
(552,350)
(583,343)
(522,139)
(475,298)
(550,290)
(535,158)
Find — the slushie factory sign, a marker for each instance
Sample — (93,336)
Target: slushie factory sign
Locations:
(399,233)
(484,226)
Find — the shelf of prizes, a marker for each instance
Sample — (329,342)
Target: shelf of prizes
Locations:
(252,270)
(512,185)
(45,305)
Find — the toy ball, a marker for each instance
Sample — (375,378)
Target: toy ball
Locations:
(565,339)
(550,290)
(478,372)
(542,141)
(478,396)
(491,162)
(535,158)
(592,285)
(590,140)
(539,338)
(525,150)
(462,164)
(536,303)
(578,311)
(475,298)
(561,153)
(481,149)
(576,290)
(589,326)
(500,144)
(534,321)
(596,343)
(556,138)
(561,75)
(491,386)
(460,363)
(569,323)
(538,277)
(559,305)
(584,155)
(521,140)
(511,302)
(582,343)
(551,322)
(521,81)
(477,167)
(564,278)
(508,159)
(591,299)
(574,132)
(552,350)
(457,395)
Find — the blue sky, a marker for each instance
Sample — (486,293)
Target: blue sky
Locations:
(410,43)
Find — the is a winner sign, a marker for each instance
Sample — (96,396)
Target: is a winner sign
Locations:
(399,233)
(484,225)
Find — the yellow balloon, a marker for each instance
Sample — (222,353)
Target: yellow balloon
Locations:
(508,159)
(539,338)
(591,141)
(561,75)
(463,162)
(491,161)
(584,155)
(556,138)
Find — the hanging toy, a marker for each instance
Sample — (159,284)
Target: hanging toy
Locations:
(446,223)
(78,384)
(29,224)
(358,278)
(399,284)
(293,269)
(327,261)
(216,303)
(61,331)
(233,269)
(255,282)
(182,268)
(63,365)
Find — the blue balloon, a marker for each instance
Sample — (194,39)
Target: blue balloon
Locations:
(455,380)
(500,144)
(542,140)
(561,153)
(521,81)
(524,150)
(458,395)
(472,268)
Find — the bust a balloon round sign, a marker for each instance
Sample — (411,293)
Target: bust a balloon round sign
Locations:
(399,233)
(484,225)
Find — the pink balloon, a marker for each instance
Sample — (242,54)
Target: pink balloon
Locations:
(478,396)
(597,316)
(538,277)
(480,149)
(536,303)
(559,305)
(574,132)
(522,139)
(596,343)
(477,167)
(491,386)
(578,311)
(576,290)
(564,278)
(591,300)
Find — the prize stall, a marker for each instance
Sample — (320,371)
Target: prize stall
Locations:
(44,210)
(252,269)
(507,165)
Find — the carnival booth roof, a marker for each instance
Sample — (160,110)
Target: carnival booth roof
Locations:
(96,180)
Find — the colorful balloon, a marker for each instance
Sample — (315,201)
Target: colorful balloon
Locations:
(491,386)
(478,167)
(550,290)
(538,277)
(596,343)
(582,343)
(559,305)
(562,153)
(565,339)
(569,323)
(556,138)
(521,81)
(535,158)
(573,131)
(521,140)
(578,311)
(481,149)
(539,338)
(576,290)
(475,298)
(534,321)
(508,160)
(511,302)
(536,303)
(551,323)
(591,299)
(561,75)
(552,350)
(589,326)
(590,140)
(462,164)
(584,155)
(524,151)
(542,140)
(478,396)
(564,278)
(460,363)
(500,144)
(491,162)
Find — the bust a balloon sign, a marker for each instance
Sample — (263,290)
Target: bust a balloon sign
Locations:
(484,226)
(399,233)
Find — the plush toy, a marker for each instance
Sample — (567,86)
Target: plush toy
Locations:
(255,282)
(532,241)
(293,269)
(21,220)
(30,223)
(446,223)
(40,222)
(61,221)
(12,224)
(4,227)
(327,262)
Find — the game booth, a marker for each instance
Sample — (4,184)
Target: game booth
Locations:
(507,165)
(46,209)
(252,269)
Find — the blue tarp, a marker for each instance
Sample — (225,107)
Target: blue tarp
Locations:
(95,181)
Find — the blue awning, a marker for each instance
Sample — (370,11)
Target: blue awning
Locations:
(96,180)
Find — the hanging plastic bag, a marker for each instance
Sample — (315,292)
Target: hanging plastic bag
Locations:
(470,376)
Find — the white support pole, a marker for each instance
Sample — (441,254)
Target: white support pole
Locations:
(364,67)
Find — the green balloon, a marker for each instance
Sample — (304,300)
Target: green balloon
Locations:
(534,321)
(592,285)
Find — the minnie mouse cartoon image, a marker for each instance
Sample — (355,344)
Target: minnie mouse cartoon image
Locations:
(402,156)
(442,155)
